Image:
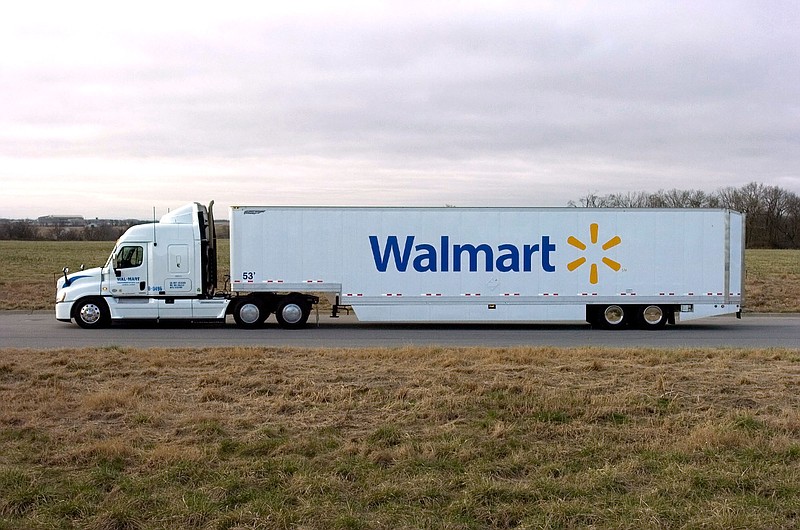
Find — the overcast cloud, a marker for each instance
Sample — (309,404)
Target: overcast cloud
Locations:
(110,109)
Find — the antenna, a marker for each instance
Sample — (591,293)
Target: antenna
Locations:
(155,243)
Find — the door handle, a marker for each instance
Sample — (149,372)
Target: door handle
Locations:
(141,286)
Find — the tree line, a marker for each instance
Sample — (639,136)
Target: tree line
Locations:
(26,230)
(773,213)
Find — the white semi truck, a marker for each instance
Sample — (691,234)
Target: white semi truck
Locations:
(610,267)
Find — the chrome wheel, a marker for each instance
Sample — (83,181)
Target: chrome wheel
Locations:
(652,315)
(92,313)
(292,313)
(89,314)
(249,313)
(613,315)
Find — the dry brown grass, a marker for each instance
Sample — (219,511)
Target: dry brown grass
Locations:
(772,284)
(399,438)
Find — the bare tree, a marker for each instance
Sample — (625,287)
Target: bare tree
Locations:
(772,213)
(790,227)
(23,230)
(101,233)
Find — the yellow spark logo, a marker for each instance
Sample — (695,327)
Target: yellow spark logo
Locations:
(577,243)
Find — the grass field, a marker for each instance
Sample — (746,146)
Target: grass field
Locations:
(399,438)
(29,268)
(772,282)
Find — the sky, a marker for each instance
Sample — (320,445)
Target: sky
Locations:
(112,109)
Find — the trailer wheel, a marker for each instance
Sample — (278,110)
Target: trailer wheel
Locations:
(292,312)
(651,317)
(92,313)
(611,317)
(249,313)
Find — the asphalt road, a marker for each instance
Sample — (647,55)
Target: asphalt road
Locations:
(40,330)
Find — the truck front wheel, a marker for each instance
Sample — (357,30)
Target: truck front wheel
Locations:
(92,313)
(249,313)
(292,312)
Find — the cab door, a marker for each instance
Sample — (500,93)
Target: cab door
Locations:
(128,282)
(130,270)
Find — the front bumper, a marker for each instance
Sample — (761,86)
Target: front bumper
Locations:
(64,311)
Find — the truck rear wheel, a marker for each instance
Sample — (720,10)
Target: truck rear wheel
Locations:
(610,317)
(292,312)
(249,313)
(651,317)
(92,313)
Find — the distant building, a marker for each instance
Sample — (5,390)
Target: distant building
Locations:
(61,220)
(72,221)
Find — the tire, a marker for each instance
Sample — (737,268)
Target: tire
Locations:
(651,317)
(293,312)
(92,313)
(249,313)
(611,317)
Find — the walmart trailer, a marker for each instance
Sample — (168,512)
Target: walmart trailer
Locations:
(610,267)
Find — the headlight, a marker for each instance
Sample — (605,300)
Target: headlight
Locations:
(61,296)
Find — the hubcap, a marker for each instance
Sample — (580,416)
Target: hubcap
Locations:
(652,314)
(90,313)
(614,314)
(292,313)
(249,313)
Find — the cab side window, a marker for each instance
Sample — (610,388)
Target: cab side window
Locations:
(129,257)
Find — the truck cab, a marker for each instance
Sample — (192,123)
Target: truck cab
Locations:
(163,270)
